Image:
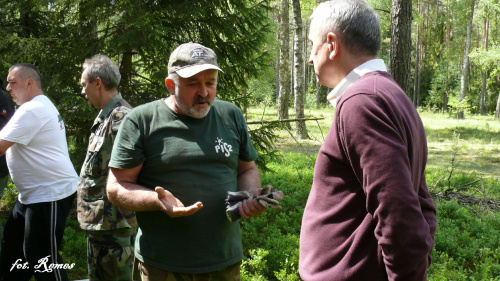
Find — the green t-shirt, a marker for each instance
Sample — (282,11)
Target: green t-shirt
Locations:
(196,160)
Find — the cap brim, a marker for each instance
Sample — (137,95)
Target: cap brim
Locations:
(195,69)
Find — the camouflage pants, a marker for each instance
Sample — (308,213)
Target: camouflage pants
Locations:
(110,254)
(151,273)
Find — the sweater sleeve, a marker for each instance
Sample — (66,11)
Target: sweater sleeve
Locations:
(376,146)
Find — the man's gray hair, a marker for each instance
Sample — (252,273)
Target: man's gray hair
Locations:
(101,66)
(354,21)
(26,71)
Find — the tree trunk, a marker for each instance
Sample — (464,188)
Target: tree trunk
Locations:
(448,40)
(284,64)
(298,77)
(465,70)
(88,28)
(318,95)
(482,108)
(244,93)
(126,72)
(28,19)
(497,111)
(416,83)
(277,68)
(306,43)
(400,57)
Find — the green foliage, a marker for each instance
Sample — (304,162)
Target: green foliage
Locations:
(262,91)
(383,9)
(455,104)
(74,249)
(278,232)
(252,268)
(139,35)
(266,137)
(310,98)
(441,85)
(9,196)
(467,246)
(486,59)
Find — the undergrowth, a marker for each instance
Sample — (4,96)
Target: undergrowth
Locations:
(467,240)
(463,158)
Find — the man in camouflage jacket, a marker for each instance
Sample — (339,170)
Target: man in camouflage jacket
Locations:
(110,229)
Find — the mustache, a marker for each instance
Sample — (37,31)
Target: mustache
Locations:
(201,99)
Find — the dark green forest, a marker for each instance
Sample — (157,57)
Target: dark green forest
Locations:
(57,36)
(452,76)
(249,38)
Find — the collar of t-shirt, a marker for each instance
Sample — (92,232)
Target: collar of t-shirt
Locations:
(353,76)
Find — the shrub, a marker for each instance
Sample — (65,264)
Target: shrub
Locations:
(467,245)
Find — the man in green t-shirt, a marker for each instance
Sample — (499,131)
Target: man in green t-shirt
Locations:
(173,161)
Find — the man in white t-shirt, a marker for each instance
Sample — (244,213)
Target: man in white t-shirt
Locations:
(34,141)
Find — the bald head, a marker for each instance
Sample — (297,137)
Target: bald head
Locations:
(28,71)
(24,83)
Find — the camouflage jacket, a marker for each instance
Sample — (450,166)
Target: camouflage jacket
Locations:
(95,212)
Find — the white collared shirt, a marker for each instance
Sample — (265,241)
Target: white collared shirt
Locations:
(353,76)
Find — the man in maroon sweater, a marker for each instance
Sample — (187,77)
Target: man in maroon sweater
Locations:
(369,215)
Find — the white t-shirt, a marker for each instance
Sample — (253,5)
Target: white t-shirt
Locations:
(39,161)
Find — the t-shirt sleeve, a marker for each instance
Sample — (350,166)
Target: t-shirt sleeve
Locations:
(128,150)
(247,151)
(21,128)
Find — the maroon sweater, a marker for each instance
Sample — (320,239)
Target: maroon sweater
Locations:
(369,215)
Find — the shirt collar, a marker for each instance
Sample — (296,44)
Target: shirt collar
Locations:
(109,106)
(353,76)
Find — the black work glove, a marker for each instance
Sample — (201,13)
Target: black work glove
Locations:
(267,198)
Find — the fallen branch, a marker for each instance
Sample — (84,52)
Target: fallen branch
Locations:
(468,200)
(284,120)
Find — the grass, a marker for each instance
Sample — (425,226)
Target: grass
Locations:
(473,144)
(287,142)
(461,152)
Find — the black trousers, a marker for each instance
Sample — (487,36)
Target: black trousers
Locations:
(32,238)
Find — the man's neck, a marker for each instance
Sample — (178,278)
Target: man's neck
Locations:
(107,96)
(35,94)
(353,61)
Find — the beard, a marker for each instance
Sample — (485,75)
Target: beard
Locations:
(191,110)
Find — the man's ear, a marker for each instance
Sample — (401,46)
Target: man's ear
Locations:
(170,85)
(333,42)
(29,82)
(98,82)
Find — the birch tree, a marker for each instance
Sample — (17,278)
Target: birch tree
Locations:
(465,66)
(482,102)
(416,83)
(284,63)
(298,77)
